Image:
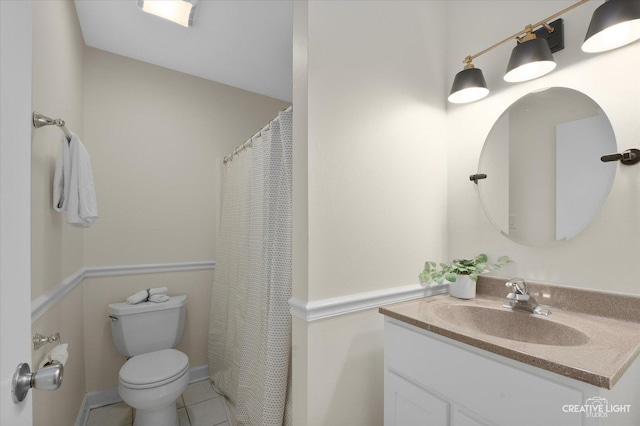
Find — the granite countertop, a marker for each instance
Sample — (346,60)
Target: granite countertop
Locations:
(602,350)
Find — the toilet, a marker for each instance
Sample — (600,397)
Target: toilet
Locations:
(155,375)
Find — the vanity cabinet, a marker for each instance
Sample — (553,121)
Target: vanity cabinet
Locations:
(432,380)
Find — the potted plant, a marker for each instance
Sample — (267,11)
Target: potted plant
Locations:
(461,274)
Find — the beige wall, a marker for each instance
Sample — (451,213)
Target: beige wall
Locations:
(605,255)
(56,247)
(371,144)
(376,144)
(65,317)
(58,77)
(346,365)
(157,137)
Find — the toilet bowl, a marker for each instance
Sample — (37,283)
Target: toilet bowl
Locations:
(151,383)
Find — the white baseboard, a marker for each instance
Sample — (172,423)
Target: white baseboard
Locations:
(50,298)
(199,373)
(110,396)
(83,413)
(95,400)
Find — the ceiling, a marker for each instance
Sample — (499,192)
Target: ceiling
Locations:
(245,44)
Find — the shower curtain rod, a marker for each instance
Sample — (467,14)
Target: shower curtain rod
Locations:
(248,143)
(40,120)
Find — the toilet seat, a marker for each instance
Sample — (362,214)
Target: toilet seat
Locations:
(154,369)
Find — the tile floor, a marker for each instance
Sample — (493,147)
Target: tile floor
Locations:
(199,405)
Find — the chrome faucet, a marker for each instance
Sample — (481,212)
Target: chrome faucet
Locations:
(520,300)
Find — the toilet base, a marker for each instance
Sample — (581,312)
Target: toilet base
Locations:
(166,416)
(155,404)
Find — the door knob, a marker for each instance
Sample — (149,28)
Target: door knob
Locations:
(47,378)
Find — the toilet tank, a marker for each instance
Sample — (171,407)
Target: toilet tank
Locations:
(147,326)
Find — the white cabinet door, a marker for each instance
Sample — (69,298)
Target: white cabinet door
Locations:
(461,418)
(406,404)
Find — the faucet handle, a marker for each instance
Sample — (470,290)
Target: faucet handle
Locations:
(518,297)
(519,288)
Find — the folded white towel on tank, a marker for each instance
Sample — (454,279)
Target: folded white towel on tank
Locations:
(158,298)
(154,294)
(140,296)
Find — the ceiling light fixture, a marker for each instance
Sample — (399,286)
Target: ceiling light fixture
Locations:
(179,11)
(613,24)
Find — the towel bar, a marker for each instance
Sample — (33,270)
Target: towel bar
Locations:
(40,120)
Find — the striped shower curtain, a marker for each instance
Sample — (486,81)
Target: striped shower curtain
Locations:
(249,345)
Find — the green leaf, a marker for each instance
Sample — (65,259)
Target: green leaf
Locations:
(451,277)
(473,277)
(481,258)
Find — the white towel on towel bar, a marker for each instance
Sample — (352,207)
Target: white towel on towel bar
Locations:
(73,187)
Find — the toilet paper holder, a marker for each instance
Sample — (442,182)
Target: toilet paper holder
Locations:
(39,340)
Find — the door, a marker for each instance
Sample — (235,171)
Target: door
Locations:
(15,211)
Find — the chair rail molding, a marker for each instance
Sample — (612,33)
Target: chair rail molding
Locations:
(42,304)
(325,308)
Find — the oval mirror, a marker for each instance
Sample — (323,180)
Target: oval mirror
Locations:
(545,180)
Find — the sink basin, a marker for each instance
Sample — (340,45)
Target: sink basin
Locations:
(507,324)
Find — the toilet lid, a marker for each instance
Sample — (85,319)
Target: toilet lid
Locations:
(154,369)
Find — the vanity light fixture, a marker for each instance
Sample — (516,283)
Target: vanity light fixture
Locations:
(468,85)
(531,58)
(179,11)
(613,24)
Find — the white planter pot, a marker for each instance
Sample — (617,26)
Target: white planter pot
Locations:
(463,288)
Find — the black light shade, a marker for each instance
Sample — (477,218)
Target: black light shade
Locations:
(614,24)
(468,86)
(530,59)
